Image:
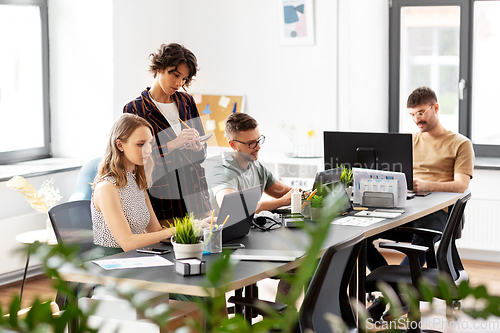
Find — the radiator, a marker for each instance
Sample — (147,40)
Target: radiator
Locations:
(482,226)
(13,258)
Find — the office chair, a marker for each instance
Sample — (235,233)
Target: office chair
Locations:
(72,223)
(444,259)
(83,190)
(327,291)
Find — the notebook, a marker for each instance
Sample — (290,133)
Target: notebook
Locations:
(267,255)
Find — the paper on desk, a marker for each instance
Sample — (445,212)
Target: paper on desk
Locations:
(387,215)
(357,221)
(137,262)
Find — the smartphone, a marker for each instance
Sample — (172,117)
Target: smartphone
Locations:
(202,139)
(152,250)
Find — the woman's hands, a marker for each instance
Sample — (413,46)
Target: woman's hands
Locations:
(188,138)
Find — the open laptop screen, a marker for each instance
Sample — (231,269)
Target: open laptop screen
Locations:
(240,206)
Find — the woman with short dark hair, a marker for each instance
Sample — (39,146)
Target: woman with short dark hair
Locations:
(179,184)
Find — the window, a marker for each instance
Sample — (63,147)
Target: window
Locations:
(24,98)
(430,44)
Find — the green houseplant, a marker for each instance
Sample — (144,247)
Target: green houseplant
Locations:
(346,176)
(187,238)
(316,204)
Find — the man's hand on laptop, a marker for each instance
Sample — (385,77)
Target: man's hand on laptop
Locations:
(205,223)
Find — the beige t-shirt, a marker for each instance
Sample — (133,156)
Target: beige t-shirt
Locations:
(439,158)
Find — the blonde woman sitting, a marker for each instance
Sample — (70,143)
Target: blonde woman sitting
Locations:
(122,216)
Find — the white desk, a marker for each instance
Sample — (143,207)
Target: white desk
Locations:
(30,237)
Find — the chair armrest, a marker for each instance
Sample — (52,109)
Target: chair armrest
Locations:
(420,231)
(412,252)
(260,306)
(404,247)
(428,235)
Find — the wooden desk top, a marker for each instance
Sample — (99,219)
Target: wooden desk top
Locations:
(164,279)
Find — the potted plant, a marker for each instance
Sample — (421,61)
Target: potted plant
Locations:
(346,178)
(316,204)
(187,238)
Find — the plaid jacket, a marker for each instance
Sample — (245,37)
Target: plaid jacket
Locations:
(179,184)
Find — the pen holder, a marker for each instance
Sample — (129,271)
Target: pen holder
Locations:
(213,239)
(306,211)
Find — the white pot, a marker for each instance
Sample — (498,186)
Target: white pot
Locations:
(183,251)
(349,191)
(315,214)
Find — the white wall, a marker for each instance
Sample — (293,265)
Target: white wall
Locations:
(139,28)
(81,76)
(363,62)
(238,47)
(318,87)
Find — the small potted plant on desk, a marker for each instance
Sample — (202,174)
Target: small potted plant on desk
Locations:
(346,178)
(186,239)
(316,203)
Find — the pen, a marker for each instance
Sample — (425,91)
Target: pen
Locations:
(182,121)
(225,220)
(308,198)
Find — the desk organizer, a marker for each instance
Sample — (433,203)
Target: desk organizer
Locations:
(378,199)
(189,266)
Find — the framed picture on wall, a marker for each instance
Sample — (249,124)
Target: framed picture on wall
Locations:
(296,22)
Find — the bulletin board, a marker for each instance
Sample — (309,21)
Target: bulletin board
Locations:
(214,110)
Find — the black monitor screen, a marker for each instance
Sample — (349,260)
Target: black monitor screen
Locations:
(379,151)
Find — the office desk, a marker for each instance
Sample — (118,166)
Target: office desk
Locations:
(163,279)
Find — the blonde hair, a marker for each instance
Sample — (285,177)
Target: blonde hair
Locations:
(112,164)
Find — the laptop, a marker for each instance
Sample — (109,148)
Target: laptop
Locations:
(240,206)
(325,179)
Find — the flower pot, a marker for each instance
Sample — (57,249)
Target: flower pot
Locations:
(349,191)
(315,214)
(183,251)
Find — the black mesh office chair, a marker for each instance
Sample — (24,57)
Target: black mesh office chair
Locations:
(445,261)
(327,291)
(72,223)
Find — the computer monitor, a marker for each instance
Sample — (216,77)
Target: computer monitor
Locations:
(379,151)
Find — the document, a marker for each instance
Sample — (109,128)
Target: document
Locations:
(357,221)
(137,262)
(375,213)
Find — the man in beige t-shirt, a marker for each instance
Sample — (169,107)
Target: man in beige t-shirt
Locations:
(443,161)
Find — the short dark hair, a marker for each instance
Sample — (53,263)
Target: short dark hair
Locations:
(239,122)
(421,95)
(172,55)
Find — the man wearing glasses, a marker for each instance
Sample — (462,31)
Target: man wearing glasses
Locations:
(443,161)
(241,170)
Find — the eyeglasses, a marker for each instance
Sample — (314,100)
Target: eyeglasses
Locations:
(420,114)
(253,144)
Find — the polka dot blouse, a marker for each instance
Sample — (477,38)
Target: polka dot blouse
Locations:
(133,201)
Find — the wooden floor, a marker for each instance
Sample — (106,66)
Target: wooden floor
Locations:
(484,273)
